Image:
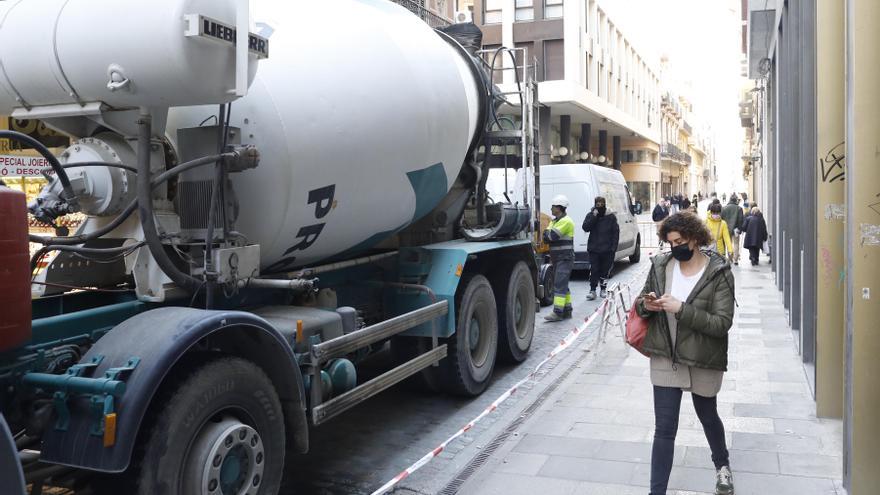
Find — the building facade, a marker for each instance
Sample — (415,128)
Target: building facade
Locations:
(600,97)
(816,69)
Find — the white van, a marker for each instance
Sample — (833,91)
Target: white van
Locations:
(580,183)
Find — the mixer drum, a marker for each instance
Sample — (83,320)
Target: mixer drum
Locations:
(362,129)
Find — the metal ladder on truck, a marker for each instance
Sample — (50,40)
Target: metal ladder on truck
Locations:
(519,110)
(515,125)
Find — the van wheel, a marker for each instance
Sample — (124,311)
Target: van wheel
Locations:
(545,274)
(516,314)
(637,254)
(471,352)
(218,428)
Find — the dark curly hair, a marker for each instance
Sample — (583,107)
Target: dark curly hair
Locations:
(689,226)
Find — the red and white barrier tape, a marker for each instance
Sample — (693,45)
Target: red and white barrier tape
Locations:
(566,342)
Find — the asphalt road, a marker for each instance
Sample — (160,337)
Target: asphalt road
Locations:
(370,444)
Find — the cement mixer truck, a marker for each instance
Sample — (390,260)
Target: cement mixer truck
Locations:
(268,202)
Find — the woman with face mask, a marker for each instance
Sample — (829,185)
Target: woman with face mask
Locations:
(688,300)
(720,234)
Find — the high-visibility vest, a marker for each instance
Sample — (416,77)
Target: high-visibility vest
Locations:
(560,234)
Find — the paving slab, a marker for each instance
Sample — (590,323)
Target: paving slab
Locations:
(594,434)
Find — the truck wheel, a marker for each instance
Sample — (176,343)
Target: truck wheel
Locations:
(471,352)
(516,314)
(546,276)
(404,349)
(637,254)
(218,430)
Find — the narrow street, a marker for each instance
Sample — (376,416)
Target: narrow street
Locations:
(242,246)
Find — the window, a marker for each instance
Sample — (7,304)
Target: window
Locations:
(587,71)
(490,54)
(525,10)
(554,60)
(529,56)
(552,9)
(492,12)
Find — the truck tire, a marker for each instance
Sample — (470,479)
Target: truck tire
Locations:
(637,254)
(404,349)
(217,429)
(471,351)
(516,314)
(546,276)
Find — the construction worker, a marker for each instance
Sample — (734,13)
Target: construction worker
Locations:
(560,236)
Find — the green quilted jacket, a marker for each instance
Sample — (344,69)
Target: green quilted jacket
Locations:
(703,322)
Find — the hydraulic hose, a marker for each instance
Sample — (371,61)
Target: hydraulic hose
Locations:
(216,186)
(53,161)
(145,210)
(123,216)
(82,250)
(99,164)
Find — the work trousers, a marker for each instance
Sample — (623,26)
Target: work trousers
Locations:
(600,268)
(562,265)
(667,406)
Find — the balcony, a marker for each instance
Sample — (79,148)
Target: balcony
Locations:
(418,8)
(687,128)
(672,152)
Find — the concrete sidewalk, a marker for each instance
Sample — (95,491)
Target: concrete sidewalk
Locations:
(594,435)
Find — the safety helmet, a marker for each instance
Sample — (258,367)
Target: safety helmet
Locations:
(560,200)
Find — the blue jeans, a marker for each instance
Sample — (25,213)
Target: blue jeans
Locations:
(667,405)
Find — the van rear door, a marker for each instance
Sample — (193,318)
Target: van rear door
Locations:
(616,199)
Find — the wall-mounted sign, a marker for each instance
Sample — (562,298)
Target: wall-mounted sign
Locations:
(22,166)
(35,129)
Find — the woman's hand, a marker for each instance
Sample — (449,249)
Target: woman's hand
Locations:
(651,302)
(669,304)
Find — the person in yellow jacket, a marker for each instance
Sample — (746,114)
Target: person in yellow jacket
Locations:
(720,234)
(560,236)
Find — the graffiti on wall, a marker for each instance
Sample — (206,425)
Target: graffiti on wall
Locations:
(833,166)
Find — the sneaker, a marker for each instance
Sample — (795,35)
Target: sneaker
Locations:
(591,296)
(723,481)
(603,293)
(554,316)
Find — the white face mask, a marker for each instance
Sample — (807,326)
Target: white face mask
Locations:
(716,217)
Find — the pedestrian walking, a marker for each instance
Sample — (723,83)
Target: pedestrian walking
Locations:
(733,216)
(560,236)
(715,201)
(720,233)
(687,341)
(685,203)
(661,211)
(755,229)
(604,232)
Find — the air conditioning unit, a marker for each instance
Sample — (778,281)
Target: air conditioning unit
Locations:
(463,16)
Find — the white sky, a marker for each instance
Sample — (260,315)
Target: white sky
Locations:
(702,39)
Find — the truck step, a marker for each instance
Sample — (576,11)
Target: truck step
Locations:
(337,405)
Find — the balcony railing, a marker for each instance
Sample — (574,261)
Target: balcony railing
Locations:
(418,8)
(670,151)
(687,128)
